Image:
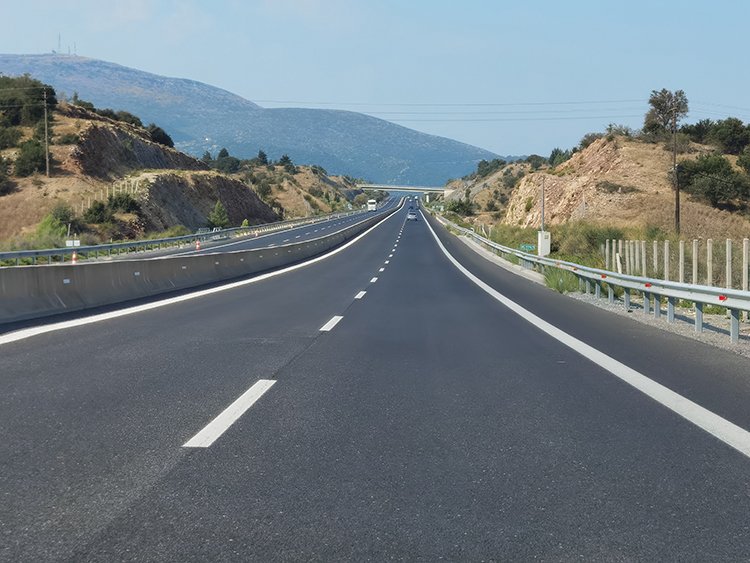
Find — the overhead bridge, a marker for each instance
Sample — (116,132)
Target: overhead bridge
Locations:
(390,188)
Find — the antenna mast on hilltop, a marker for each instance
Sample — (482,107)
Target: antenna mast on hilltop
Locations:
(59,42)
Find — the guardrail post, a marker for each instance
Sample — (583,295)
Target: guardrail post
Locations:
(588,286)
(657,306)
(597,289)
(666,260)
(670,309)
(610,293)
(728,258)
(698,317)
(626,298)
(709,261)
(734,325)
(695,262)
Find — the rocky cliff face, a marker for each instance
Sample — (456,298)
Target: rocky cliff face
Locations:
(106,151)
(187,198)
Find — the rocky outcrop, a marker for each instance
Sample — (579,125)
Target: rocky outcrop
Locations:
(187,198)
(108,152)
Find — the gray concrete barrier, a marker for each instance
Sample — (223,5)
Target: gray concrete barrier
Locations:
(28,292)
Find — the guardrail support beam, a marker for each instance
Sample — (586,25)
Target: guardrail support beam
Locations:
(626,298)
(734,325)
(598,289)
(670,309)
(610,293)
(698,317)
(646,303)
(657,306)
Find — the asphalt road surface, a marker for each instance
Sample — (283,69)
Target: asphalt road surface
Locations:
(427,421)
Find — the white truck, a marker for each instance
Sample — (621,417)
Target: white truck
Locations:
(372,205)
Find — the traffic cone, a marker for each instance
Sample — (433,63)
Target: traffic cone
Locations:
(74,258)
(197,245)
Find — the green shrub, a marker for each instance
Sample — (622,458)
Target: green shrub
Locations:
(218,217)
(9,137)
(31,158)
(123,202)
(529,204)
(99,212)
(67,139)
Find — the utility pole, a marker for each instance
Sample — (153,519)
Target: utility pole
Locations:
(46,132)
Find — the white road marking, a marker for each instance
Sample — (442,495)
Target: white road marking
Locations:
(360,295)
(229,415)
(728,432)
(381,270)
(43,329)
(297,236)
(332,323)
(387,261)
(390,256)
(373,280)
(285,240)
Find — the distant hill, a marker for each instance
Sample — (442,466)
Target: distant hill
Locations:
(200,117)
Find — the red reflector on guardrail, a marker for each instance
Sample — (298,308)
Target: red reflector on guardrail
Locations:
(604,276)
(647,284)
(722,297)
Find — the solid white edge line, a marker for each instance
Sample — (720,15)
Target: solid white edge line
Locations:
(214,429)
(726,431)
(360,295)
(43,329)
(332,323)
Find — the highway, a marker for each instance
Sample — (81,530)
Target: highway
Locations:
(267,240)
(386,404)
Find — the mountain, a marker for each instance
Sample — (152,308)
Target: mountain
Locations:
(201,117)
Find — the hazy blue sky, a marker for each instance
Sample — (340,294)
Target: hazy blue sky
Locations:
(512,77)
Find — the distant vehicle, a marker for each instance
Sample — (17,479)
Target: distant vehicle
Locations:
(411,216)
(372,205)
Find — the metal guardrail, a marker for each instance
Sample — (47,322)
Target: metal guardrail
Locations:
(653,290)
(84,252)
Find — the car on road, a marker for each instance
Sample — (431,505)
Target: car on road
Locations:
(411,216)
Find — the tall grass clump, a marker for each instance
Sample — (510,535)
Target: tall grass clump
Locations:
(560,280)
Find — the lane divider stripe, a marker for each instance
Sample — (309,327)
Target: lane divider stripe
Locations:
(332,323)
(360,295)
(229,415)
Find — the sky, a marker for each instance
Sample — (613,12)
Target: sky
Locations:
(515,78)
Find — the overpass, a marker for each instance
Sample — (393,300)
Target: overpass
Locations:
(390,188)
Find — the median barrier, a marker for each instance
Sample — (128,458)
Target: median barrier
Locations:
(28,292)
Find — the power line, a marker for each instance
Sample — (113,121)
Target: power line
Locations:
(551,118)
(462,104)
